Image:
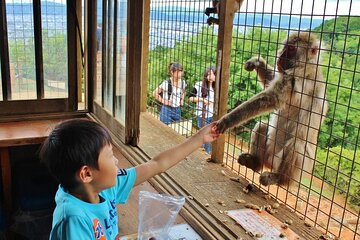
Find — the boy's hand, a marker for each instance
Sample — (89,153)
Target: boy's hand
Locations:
(209,133)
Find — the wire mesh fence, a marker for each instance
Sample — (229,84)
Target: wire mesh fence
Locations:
(328,194)
(178,34)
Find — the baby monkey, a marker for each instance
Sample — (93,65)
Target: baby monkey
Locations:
(216,9)
(296,94)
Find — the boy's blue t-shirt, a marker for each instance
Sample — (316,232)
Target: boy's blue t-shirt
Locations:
(76,219)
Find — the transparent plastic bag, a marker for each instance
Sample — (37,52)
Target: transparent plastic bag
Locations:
(157,214)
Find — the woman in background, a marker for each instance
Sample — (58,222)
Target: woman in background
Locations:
(171,94)
(203,94)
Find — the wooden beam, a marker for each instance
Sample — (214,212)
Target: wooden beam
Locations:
(4,54)
(33,106)
(79,60)
(133,75)
(145,54)
(72,55)
(90,51)
(226,17)
(103,51)
(115,66)
(42,116)
(38,50)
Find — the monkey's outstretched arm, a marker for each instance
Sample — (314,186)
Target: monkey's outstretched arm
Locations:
(272,98)
(265,72)
(257,105)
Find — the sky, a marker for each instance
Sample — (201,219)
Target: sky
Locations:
(315,7)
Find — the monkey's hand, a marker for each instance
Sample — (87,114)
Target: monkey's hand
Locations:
(223,124)
(264,71)
(255,63)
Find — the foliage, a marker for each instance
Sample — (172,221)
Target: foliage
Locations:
(341,72)
(22,55)
(340,167)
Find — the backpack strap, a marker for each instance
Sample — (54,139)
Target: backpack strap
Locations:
(169,87)
(182,86)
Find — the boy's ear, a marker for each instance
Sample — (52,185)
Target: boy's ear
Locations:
(85,174)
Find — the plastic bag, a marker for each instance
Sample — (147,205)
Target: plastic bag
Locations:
(157,214)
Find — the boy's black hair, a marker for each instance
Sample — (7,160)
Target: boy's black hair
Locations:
(71,145)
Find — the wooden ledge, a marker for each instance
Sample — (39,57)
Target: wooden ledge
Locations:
(26,132)
(31,131)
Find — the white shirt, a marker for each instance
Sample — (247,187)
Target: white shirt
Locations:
(176,92)
(199,105)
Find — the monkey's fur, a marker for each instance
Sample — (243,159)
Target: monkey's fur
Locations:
(216,9)
(296,94)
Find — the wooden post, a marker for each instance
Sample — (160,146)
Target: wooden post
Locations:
(4,54)
(133,78)
(145,54)
(226,17)
(39,63)
(72,56)
(90,51)
(79,60)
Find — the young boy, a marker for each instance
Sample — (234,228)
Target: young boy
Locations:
(79,154)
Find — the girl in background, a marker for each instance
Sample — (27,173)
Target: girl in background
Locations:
(171,94)
(203,94)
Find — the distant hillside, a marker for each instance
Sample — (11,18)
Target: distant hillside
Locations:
(339,26)
(52,8)
(341,34)
(242,19)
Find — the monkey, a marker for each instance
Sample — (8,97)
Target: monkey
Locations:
(216,9)
(295,92)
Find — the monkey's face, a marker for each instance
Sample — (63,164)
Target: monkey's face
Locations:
(299,49)
(287,57)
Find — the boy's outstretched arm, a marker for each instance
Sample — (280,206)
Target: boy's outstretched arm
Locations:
(168,158)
